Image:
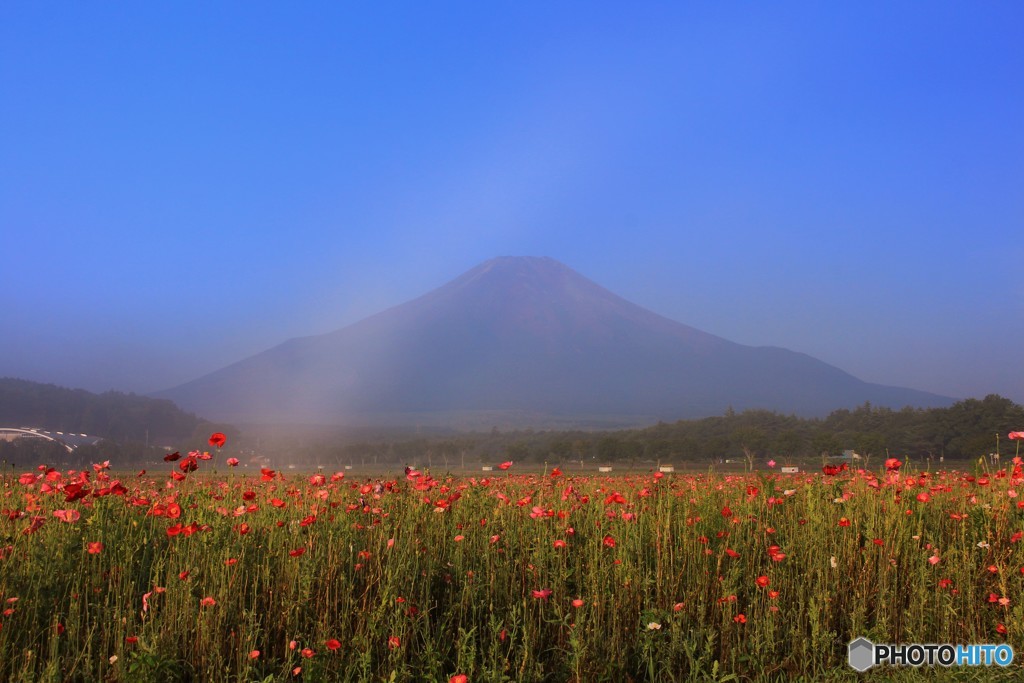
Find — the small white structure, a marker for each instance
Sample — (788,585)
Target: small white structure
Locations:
(69,441)
(604,468)
(487,468)
(790,470)
(666,468)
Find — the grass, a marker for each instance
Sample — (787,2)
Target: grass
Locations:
(506,578)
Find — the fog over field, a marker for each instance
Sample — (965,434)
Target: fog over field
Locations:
(183,187)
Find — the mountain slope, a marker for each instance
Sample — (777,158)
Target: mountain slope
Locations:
(527,335)
(111,415)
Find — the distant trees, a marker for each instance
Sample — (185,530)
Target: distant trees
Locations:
(136,426)
(966,430)
(111,415)
(25,454)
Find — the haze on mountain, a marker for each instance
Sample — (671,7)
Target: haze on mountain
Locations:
(524,341)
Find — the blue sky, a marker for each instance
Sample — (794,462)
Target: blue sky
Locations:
(183,185)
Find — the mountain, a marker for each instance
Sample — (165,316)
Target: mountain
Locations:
(526,337)
(111,415)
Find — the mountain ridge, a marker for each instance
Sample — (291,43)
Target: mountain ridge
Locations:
(524,334)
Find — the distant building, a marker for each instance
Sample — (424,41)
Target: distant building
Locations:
(68,440)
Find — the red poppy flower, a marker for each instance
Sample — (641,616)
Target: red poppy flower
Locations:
(95,548)
(297,552)
(218,439)
(67,515)
(609,542)
(542,594)
(1016,435)
(762,581)
(207,602)
(394,642)
(505,465)
(232,462)
(76,491)
(332,644)
(740,618)
(172,456)
(615,497)
(727,511)
(459,678)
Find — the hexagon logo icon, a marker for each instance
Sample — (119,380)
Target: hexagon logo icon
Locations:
(861,654)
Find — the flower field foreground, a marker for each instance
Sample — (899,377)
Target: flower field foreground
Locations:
(513,577)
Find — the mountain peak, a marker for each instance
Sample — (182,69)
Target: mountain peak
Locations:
(541,270)
(523,262)
(530,335)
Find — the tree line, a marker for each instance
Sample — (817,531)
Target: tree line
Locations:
(137,431)
(968,429)
(115,416)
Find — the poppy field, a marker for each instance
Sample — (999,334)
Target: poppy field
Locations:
(206,572)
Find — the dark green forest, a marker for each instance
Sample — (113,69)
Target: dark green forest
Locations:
(967,430)
(138,430)
(111,415)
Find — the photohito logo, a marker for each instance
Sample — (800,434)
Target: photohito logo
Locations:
(863,654)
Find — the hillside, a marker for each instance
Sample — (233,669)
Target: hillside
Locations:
(527,337)
(111,415)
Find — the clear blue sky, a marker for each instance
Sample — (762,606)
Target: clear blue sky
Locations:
(186,184)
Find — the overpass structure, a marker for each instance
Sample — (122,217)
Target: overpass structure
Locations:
(68,440)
